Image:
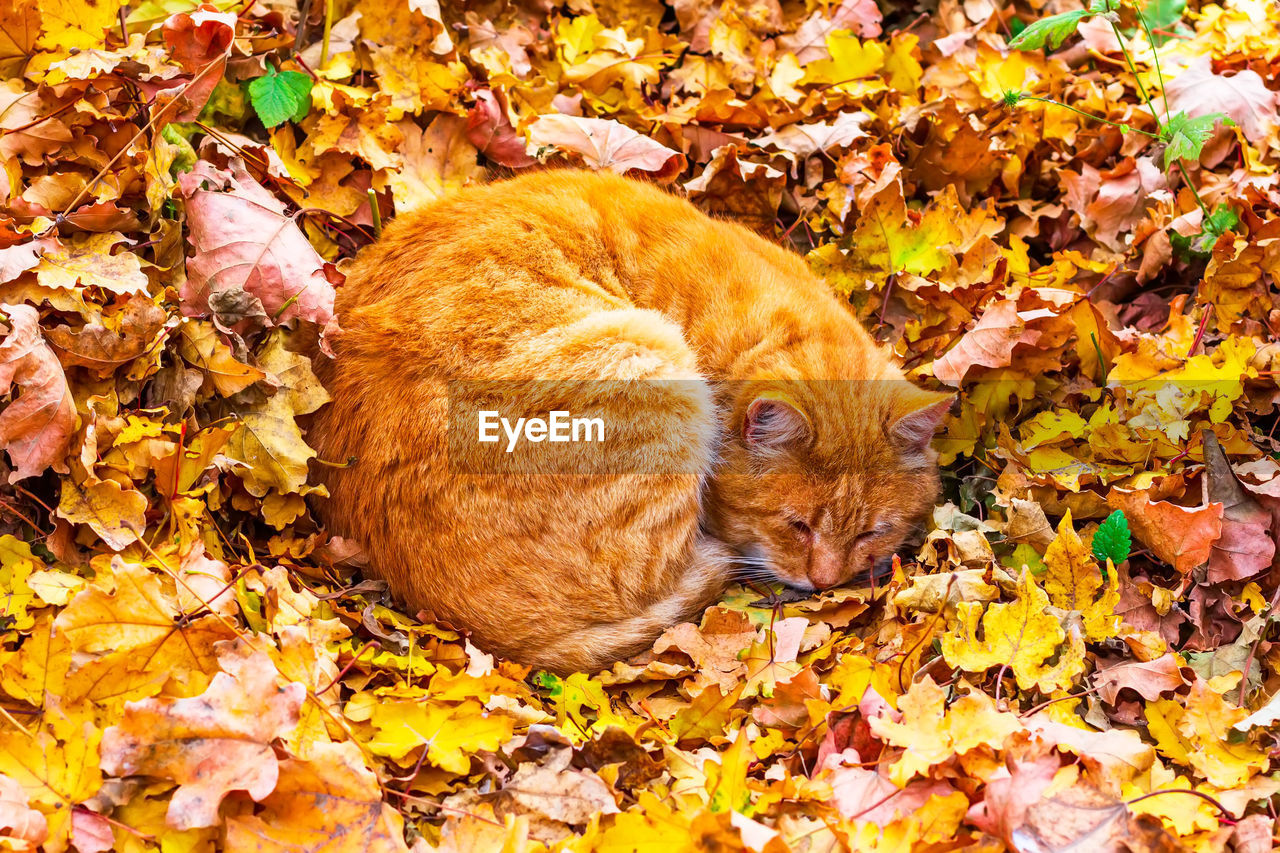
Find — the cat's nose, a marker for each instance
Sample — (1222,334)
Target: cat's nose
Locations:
(826,565)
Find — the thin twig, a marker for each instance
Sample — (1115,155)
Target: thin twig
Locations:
(125,148)
(1253,650)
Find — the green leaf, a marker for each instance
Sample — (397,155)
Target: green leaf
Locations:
(1162,14)
(280,95)
(1185,136)
(1222,220)
(1025,555)
(1053,30)
(185,157)
(1111,541)
(227,104)
(1199,247)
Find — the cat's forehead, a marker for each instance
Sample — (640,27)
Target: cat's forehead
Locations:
(856,406)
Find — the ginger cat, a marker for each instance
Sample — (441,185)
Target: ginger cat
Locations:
(769,434)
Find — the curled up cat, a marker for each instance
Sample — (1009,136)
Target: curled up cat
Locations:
(749,425)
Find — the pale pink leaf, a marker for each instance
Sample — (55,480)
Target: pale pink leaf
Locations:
(859,793)
(990,343)
(605,144)
(1009,793)
(806,139)
(246,248)
(91,833)
(17,259)
(809,41)
(1243,96)
(17,819)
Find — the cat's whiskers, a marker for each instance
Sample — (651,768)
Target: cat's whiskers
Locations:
(752,567)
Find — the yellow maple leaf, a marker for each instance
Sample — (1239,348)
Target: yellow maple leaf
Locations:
(146,816)
(438,161)
(405,721)
(117,514)
(1206,721)
(923,709)
(1074,582)
(854,65)
(1056,426)
(57,767)
(269,442)
(71,24)
(124,623)
(17,564)
(413,84)
(930,732)
(89,262)
(368,134)
(890,239)
(39,667)
(651,825)
(203,348)
(18,36)
(1185,814)
(1020,634)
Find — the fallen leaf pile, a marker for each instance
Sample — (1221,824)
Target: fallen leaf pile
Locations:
(1081,237)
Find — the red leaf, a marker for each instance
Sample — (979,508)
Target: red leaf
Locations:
(36,428)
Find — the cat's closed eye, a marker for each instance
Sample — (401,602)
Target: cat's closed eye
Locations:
(801,529)
(880,528)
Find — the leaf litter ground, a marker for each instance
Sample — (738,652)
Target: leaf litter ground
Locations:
(1080,237)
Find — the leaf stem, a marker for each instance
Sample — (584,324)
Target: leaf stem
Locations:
(328,25)
(1087,114)
(1102,361)
(1186,176)
(1253,650)
(1142,90)
(376,213)
(1219,806)
(1155,55)
(1155,60)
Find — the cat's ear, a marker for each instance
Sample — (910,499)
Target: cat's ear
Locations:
(914,430)
(774,421)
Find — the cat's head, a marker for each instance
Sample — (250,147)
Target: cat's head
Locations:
(820,483)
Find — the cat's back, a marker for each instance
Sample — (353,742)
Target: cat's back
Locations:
(553,225)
